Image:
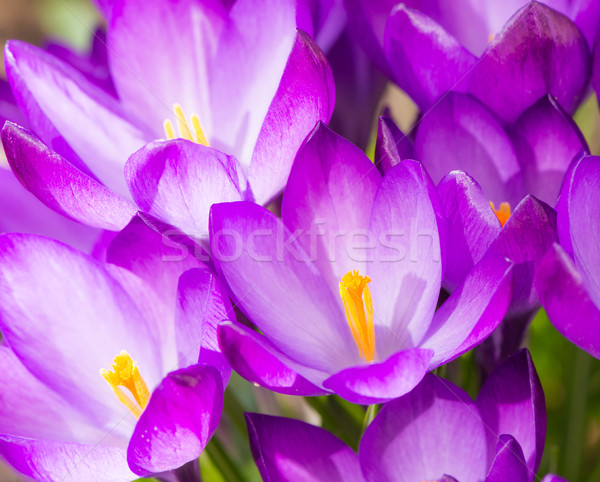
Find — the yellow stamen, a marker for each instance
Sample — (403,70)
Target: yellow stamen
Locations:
(125,374)
(358,304)
(185,132)
(503,213)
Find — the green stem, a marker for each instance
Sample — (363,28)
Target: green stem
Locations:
(372,410)
(577,419)
(235,412)
(223,461)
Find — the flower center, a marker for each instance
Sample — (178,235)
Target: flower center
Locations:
(502,213)
(359,312)
(194,134)
(125,375)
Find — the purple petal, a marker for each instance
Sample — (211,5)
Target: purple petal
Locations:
(202,304)
(565,298)
(24,213)
(472,312)
(553,478)
(308,80)
(472,225)
(584,222)
(258,361)
(177,181)
(279,288)
(60,185)
(104,6)
(406,270)
(328,198)
(392,145)
(68,462)
(528,59)
(509,463)
(380,382)
(526,236)
(286,449)
(460,133)
(160,54)
(76,118)
(546,140)
(181,417)
(66,318)
(596,66)
(433,430)
(512,402)
(424,59)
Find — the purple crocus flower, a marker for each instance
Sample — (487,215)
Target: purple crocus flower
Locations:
(235,76)
(436,432)
(109,371)
(344,287)
(507,54)
(568,278)
(500,199)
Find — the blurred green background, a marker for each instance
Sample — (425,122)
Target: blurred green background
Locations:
(571,378)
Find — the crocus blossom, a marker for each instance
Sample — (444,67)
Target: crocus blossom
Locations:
(110,371)
(507,54)
(344,287)
(568,278)
(235,76)
(436,432)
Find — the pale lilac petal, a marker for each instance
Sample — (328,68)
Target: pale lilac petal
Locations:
(406,270)
(472,225)
(60,185)
(328,198)
(202,304)
(553,478)
(584,222)
(434,430)
(308,80)
(509,463)
(546,139)
(380,382)
(528,59)
(48,460)
(392,145)
(472,312)
(181,417)
(286,449)
(460,133)
(279,288)
(52,292)
(425,60)
(564,296)
(76,118)
(511,401)
(177,181)
(258,361)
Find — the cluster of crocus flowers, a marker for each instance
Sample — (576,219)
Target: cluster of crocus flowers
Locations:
(213,222)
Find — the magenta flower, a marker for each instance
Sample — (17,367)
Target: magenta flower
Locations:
(111,371)
(568,278)
(237,77)
(506,54)
(344,287)
(436,432)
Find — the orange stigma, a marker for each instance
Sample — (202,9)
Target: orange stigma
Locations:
(503,213)
(125,375)
(194,134)
(359,312)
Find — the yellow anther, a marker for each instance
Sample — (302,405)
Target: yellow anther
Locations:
(185,132)
(125,374)
(503,213)
(358,304)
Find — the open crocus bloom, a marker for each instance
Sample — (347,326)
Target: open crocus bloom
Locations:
(568,278)
(344,287)
(109,371)
(436,432)
(483,47)
(234,86)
